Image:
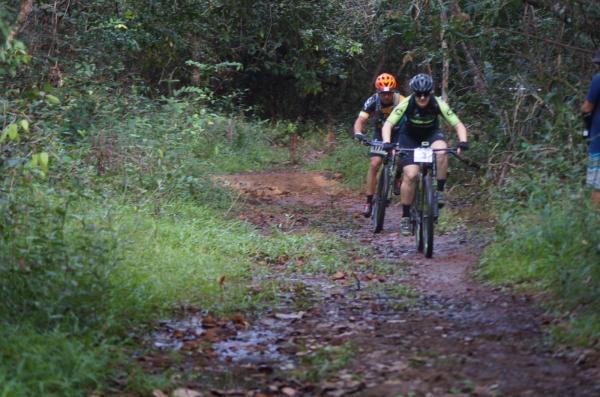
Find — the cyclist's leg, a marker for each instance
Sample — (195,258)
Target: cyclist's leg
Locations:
(410,171)
(374,163)
(409,181)
(375,160)
(438,141)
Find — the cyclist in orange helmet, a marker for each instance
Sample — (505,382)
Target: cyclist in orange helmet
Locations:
(381,104)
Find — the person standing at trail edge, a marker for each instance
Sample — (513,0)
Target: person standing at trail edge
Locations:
(422,110)
(381,103)
(591,114)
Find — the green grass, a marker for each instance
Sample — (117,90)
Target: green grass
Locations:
(49,363)
(127,226)
(553,249)
(325,362)
(350,159)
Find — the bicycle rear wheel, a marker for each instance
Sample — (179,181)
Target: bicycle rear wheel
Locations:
(380,199)
(428,216)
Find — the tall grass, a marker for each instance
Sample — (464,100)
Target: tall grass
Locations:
(553,248)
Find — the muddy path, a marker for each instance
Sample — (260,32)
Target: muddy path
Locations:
(425,329)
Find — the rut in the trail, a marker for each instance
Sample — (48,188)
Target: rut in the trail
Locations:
(455,337)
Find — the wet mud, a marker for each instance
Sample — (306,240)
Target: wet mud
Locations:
(428,329)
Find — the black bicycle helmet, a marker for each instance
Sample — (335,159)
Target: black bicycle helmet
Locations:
(421,83)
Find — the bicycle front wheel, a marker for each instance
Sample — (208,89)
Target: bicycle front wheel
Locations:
(416,214)
(380,199)
(428,216)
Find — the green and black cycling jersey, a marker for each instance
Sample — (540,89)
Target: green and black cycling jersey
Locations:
(422,121)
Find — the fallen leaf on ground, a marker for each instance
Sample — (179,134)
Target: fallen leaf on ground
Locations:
(209,322)
(239,320)
(288,391)
(338,276)
(158,393)
(186,393)
(290,316)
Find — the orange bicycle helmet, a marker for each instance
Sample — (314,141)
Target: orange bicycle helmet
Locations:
(385,82)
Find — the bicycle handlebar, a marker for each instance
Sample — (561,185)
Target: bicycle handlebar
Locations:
(396,146)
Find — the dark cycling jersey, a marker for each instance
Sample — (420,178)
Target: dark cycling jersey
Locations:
(422,121)
(374,105)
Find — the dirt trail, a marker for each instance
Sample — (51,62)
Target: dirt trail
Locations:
(364,334)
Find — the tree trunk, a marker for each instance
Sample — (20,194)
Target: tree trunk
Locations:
(24,11)
(445,59)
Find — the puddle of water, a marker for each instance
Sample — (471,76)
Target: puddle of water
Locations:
(174,333)
(252,347)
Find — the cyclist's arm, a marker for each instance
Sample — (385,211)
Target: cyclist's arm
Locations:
(368,107)
(461,131)
(386,131)
(393,119)
(359,124)
(452,119)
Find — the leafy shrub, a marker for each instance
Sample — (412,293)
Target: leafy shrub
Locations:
(51,269)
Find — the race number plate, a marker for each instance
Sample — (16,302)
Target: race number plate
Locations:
(423,155)
(378,149)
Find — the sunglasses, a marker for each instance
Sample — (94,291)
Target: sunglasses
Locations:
(422,94)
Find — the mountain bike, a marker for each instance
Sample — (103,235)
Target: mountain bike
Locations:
(424,209)
(385,183)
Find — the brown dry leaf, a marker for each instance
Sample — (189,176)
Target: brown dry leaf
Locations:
(281,260)
(288,391)
(159,393)
(338,276)
(210,353)
(178,334)
(209,322)
(370,276)
(240,321)
(221,282)
(360,260)
(191,344)
(181,392)
(211,335)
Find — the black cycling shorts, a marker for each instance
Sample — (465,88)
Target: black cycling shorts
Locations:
(414,141)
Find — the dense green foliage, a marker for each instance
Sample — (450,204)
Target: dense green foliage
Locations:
(116,114)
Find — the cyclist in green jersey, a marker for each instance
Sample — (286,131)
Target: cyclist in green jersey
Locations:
(421,111)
